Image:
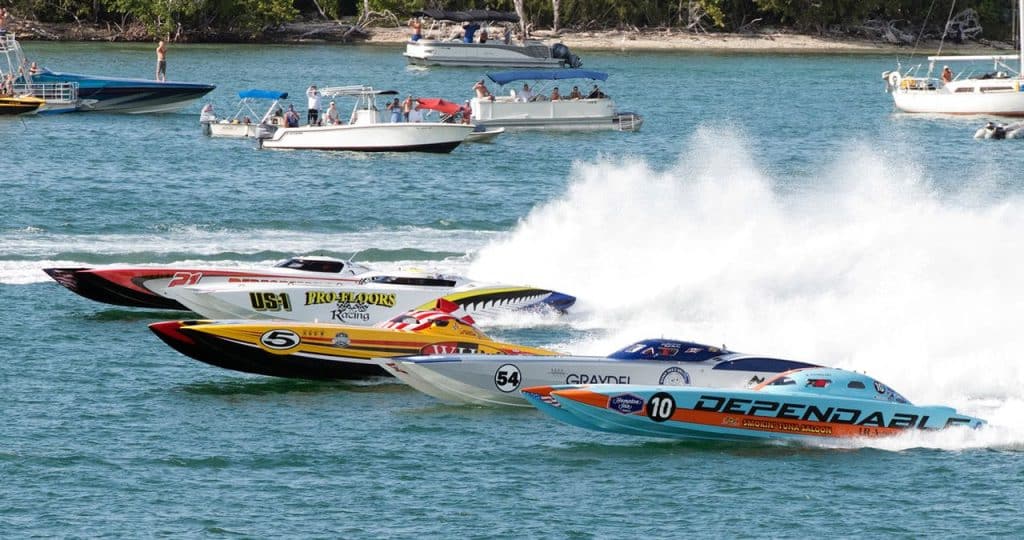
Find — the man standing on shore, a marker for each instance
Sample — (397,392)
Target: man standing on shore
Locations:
(161,61)
(313,104)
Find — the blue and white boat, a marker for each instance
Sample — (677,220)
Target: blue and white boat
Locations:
(65,92)
(540,107)
(241,125)
(804,404)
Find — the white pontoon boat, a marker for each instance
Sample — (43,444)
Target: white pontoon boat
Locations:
(241,125)
(367,132)
(448,45)
(535,110)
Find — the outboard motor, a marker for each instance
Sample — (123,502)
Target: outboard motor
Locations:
(562,52)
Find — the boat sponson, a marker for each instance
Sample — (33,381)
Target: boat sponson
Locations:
(434,148)
(229,354)
(95,287)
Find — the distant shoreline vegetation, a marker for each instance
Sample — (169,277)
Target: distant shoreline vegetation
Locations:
(893,21)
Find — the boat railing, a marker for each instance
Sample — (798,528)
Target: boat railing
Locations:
(8,43)
(51,92)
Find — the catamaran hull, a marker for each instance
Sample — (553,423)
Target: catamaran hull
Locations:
(315,351)
(147,287)
(360,305)
(481,380)
(737,415)
(402,137)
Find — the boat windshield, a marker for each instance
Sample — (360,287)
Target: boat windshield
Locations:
(674,351)
(425,281)
(313,265)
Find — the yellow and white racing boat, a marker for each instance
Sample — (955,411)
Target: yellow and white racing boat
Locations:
(331,351)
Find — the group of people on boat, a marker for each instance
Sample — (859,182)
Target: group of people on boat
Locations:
(526,94)
(407,110)
(469,31)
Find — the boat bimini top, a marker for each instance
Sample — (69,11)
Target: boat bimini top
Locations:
(505,77)
(471,15)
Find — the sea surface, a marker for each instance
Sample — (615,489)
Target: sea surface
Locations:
(772,203)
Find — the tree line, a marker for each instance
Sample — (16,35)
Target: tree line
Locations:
(199,19)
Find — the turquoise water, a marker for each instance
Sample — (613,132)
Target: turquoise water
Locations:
(773,203)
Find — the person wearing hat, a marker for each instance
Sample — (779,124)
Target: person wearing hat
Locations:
(947,74)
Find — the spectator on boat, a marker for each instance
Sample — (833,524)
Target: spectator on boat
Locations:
(526,94)
(555,96)
(575,94)
(396,111)
(417,29)
(947,74)
(481,90)
(467,112)
(507,38)
(291,118)
(7,88)
(483,36)
(469,30)
(407,107)
(416,115)
(161,61)
(247,120)
(313,104)
(596,93)
(332,115)
(34,69)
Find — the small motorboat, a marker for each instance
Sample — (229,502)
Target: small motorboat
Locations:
(451,112)
(369,299)
(992,130)
(147,286)
(485,380)
(242,125)
(11,105)
(330,351)
(804,404)
(367,132)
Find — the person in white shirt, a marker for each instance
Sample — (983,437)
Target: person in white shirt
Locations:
(313,104)
(332,115)
(526,94)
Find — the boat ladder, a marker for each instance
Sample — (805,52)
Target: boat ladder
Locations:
(627,122)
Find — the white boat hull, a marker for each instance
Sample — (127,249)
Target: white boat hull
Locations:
(482,380)
(561,115)
(403,137)
(233,131)
(998,97)
(428,52)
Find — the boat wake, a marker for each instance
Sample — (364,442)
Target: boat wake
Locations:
(865,266)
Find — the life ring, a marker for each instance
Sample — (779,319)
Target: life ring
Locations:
(894,78)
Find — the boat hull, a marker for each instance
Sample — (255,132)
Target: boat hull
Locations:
(230,130)
(314,351)
(404,137)
(997,97)
(132,96)
(355,304)
(562,115)
(738,415)
(481,380)
(20,105)
(428,52)
(147,287)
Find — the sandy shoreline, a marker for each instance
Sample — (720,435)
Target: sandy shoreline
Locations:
(676,40)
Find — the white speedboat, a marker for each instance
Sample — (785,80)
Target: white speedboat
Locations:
(447,46)
(148,286)
(594,111)
(486,380)
(241,125)
(999,91)
(367,132)
(375,297)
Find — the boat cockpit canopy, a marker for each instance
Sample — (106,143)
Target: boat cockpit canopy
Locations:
(673,351)
(479,15)
(505,77)
(418,281)
(319,264)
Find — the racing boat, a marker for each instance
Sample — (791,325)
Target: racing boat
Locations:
(148,286)
(367,132)
(436,48)
(372,298)
(66,92)
(594,111)
(484,380)
(330,351)
(804,404)
(10,105)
